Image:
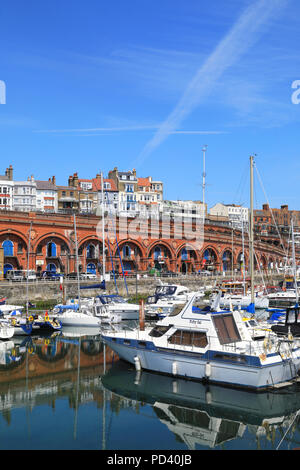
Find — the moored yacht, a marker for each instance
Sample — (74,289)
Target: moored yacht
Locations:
(166,297)
(212,346)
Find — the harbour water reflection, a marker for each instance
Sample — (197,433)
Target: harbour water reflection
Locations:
(71,392)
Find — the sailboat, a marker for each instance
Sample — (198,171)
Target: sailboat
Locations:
(76,314)
(212,346)
(291,325)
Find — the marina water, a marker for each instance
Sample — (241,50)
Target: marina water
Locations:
(69,391)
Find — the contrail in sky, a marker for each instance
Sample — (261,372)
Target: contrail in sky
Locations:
(243,34)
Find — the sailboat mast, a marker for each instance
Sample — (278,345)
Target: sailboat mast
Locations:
(243,248)
(203,182)
(103,239)
(251,231)
(27,277)
(77,263)
(294,262)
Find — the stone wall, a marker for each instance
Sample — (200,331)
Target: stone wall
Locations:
(16,292)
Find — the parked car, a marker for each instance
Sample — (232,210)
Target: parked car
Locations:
(50,276)
(30,275)
(72,275)
(88,276)
(14,275)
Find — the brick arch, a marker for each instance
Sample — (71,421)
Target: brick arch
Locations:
(214,249)
(129,241)
(91,238)
(15,233)
(52,235)
(187,245)
(163,243)
(231,261)
(130,262)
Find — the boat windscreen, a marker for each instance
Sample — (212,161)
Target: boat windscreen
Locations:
(226,328)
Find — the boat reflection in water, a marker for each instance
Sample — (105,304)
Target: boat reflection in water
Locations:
(206,417)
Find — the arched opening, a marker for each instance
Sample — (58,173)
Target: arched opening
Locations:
(227,260)
(184,254)
(183,268)
(7,267)
(51,267)
(51,250)
(126,251)
(8,248)
(130,254)
(91,268)
(91,251)
(161,257)
(209,259)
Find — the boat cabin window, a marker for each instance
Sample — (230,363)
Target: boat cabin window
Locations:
(177,309)
(189,338)
(109,299)
(151,299)
(226,328)
(158,331)
(165,290)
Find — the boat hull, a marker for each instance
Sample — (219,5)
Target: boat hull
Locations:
(257,377)
(79,321)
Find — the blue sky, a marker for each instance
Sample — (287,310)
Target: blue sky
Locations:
(145,84)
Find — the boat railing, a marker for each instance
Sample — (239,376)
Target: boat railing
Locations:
(210,343)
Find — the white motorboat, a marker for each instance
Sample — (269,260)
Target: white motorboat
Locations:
(213,346)
(243,301)
(115,306)
(75,316)
(284,296)
(166,297)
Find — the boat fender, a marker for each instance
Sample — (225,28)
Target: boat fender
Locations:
(175,386)
(137,363)
(207,369)
(137,379)
(208,398)
(174,368)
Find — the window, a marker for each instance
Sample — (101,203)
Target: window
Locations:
(126,250)
(226,329)
(159,331)
(8,248)
(189,338)
(129,188)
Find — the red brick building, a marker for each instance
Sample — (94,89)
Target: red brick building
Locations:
(140,246)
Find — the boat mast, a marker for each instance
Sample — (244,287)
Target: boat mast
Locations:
(28,255)
(251,232)
(243,248)
(204,148)
(294,262)
(103,239)
(77,263)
